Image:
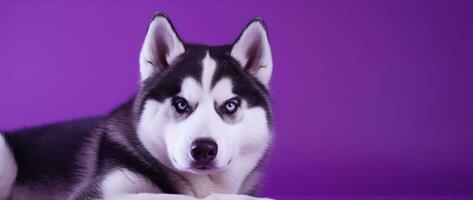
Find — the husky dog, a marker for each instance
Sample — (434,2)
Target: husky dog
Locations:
(199,127)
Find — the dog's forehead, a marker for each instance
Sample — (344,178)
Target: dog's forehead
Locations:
(208,84)
(208,71)
(209,66)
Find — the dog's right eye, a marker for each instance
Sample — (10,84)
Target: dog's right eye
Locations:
(181,105)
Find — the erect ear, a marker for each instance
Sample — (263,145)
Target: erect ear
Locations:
(161,47)
(253,52)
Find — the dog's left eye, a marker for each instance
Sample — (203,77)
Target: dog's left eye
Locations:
(231,106)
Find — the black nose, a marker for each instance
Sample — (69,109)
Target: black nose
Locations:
(204,151)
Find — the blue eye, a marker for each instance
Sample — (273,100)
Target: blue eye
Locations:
(181,105)
(231,106)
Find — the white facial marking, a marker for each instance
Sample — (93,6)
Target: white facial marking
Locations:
(191,90)
(8,169)
(150,129)
(209,66)
(222,90)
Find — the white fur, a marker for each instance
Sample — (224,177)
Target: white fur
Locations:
(153,119)
(8,169)
(122,182)
(169,139)
(222,90)
(209,66)
(159,31)
(250,148)
(191,90)
(255,35)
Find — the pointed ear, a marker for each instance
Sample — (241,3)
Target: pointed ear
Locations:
(253,52)
(161,47)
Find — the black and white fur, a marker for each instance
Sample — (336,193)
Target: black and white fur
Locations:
(141,150)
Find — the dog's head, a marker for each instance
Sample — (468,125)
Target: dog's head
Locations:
(204,108)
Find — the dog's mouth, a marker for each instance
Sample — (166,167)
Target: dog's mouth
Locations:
(204,168)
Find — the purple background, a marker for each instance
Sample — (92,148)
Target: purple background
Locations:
(371,98)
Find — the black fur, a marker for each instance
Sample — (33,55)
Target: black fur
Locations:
(48,155)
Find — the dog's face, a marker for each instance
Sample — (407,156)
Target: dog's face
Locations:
(204,108)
